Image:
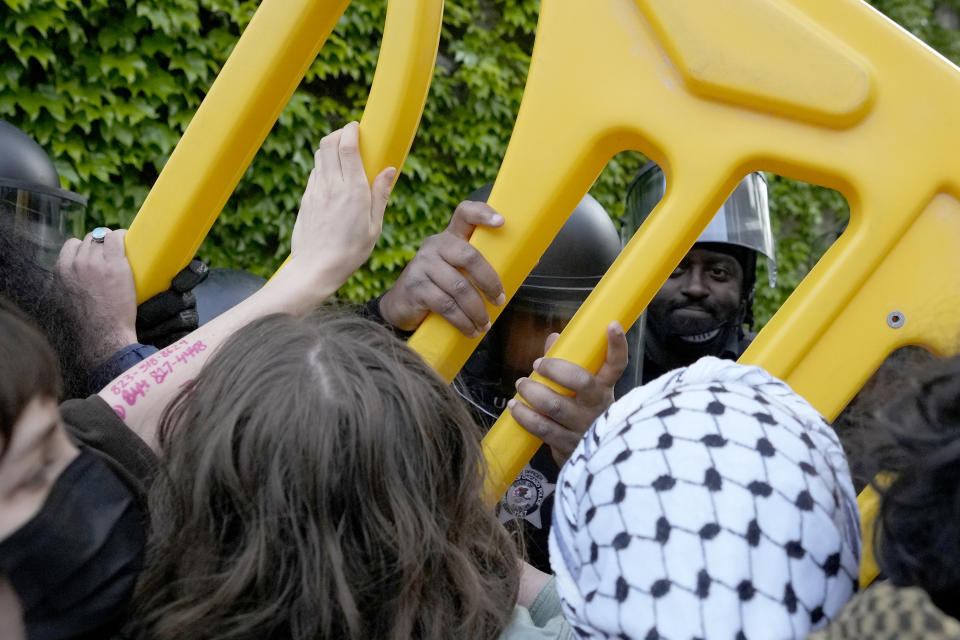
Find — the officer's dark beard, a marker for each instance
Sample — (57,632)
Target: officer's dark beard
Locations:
(690,348)
(42,297)
(676,346)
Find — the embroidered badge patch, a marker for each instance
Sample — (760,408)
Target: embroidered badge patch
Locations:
(525,497)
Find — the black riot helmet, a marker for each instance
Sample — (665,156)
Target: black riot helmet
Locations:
(569,269)
(223,289)
(33,206)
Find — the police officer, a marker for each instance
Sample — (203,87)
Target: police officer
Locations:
(705,308)
(448,276)
(572,265)
(569,269)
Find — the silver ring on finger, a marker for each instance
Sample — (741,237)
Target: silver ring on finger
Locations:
(99,234)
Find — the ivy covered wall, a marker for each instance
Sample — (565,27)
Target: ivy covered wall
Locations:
(108,87)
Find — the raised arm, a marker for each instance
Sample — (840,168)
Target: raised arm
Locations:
(340,218)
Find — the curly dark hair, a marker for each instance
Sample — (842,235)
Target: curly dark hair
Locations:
(42,297)
(918,533)
(321,481)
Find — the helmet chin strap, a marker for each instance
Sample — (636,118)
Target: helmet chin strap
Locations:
(486,398)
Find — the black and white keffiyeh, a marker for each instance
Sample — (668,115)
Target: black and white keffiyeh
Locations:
(713,502)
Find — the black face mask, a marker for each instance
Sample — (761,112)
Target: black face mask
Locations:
(75,563)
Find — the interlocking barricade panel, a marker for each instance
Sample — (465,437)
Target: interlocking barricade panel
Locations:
(824,91)
(256,82)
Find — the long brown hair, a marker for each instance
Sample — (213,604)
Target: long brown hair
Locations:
(321,481)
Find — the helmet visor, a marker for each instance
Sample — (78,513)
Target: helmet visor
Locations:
(517,339)
(518,336)
(743,220)
(41,217)
(507,352)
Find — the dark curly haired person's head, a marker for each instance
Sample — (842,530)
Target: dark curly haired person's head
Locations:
(918,539)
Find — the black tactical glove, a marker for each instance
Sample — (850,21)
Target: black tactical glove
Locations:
(172,314)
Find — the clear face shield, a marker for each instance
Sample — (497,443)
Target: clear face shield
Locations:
(541,306)
(743,220)
(41,217)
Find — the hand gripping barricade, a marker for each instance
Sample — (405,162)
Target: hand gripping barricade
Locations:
(825,91)
(256,82)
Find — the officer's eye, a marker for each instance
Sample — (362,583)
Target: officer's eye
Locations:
(720,273)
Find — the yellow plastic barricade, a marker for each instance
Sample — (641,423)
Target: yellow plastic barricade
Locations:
(825,91)
(256,82)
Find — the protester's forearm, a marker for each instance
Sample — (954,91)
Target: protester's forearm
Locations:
(140,394)
(122,360)
(340,218)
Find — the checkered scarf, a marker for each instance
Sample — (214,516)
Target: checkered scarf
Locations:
(713,502)
(887,612)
